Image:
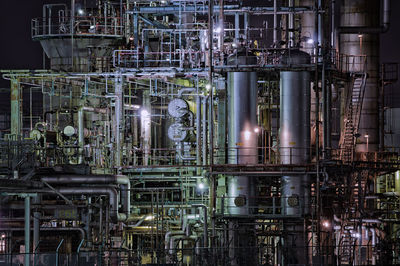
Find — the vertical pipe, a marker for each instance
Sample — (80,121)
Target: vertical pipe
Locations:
(382,111)
(198,130)
(275,34)
(16,105)
(210,77)
(204,145)
(81,134)
(118,118)
(246,21)
(72,32)
(324,110)
(320,26)
(36,223)
(145,118)
(221,25)
(27,235)
(397,182)
(291,24)
(237,27)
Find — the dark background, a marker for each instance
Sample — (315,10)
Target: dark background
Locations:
(18,51)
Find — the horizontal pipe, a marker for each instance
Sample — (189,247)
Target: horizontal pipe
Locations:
(121,180)
(228,10)
(82,232)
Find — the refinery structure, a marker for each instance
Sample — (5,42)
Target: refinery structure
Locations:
(198,132)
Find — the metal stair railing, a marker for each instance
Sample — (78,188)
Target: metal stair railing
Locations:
(352,117)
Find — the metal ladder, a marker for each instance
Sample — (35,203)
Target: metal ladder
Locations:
(352,117)
(346,248)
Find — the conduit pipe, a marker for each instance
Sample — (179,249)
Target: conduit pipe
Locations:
(371,30)
(168,237)
(121,180)
(205,228)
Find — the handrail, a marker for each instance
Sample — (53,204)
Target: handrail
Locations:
(58,247)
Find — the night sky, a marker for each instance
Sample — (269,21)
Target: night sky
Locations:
(18,51)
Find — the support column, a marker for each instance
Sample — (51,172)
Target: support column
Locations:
(36,224)
(27,229)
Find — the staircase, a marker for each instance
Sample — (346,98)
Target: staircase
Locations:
(352,117)
(346,248)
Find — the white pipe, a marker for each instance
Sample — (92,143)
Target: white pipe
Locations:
(81,135)
(373,242)
(205,226)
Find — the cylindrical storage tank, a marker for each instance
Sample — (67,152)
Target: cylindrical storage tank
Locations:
(242,138)
(363,13)
(295,138)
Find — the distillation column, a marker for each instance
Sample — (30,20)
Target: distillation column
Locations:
(364,14)
(242,149)
(295,149)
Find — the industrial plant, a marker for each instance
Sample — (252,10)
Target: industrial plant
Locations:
(202,132)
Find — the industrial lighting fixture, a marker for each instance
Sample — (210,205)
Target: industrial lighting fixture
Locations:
(218,30)
(356,235)
(326,224)
(149,218)
(201,186)
(256,130)
(144,114)
(310,41)
(163,2)
(234,45)
(81,11)
(208,87)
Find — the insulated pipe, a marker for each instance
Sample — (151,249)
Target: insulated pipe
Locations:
(275,33)
(370,29)
(205,223)
(373,243)
(182,91)
(81,135)
(308,31)
(198,131)
(204,145)
(291,25)
(121,180)
(118,118)
(177,237)
(168,237)
(110,191)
